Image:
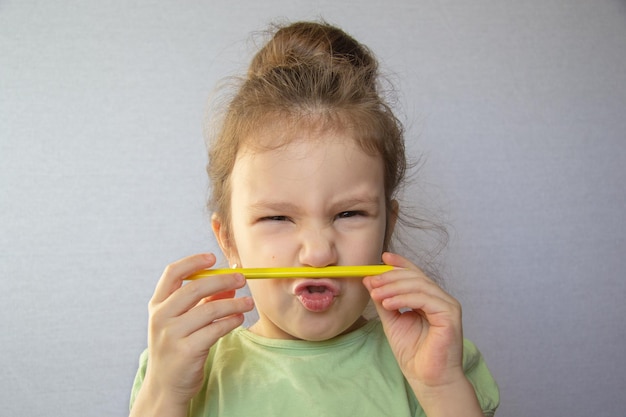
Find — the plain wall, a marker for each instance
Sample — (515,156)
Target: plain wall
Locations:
(519,109)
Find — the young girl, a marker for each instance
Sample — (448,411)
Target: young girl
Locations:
(304,171)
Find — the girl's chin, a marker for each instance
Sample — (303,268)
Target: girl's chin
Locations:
(311,329)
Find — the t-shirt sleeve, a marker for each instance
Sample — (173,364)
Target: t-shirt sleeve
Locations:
(141,373)
(480,377)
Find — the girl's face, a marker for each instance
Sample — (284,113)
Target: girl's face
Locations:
(317,201)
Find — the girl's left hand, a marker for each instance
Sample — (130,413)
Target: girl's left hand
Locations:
(422,323)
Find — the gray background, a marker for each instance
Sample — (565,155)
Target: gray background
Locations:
(519,107)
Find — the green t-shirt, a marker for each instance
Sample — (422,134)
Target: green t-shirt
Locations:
(351,375)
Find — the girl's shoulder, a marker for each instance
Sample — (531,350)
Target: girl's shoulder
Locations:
(480,376)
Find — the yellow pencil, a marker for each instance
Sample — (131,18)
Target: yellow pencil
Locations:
(300,272)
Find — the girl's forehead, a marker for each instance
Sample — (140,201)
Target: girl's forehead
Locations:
(276,134)
(303,146)
(281,133)
(329,168)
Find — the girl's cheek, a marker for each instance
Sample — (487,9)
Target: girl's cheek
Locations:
(277,250)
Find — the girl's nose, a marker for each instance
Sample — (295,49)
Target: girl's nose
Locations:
(318,248)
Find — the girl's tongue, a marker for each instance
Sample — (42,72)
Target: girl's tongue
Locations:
(316,296)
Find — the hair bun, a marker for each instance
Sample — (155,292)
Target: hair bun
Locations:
(311,44)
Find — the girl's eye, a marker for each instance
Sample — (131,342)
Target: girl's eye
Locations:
(348,214)
(275,218)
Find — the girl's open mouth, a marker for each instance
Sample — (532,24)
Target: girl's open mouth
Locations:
(316,295)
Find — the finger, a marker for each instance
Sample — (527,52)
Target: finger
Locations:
(405,282)
(220,296)
(396,260)
(205,315)
(207,336)
(404,289)
(174,274)
(384,314)
(192,293)
(401,262)
(438,311)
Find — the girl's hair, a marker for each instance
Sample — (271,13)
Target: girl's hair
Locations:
(314,76)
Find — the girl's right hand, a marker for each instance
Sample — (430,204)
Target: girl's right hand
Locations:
(185,321)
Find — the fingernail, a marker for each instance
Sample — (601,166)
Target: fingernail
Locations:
(240,279)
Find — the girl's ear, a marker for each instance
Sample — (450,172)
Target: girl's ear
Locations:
(222,235)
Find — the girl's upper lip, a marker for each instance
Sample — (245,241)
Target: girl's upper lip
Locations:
(301,285)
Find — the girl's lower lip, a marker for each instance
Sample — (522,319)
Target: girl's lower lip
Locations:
(316,295)
(316,302)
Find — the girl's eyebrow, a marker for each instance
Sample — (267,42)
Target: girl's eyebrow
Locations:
(277,206)
(358,201)
(288,207)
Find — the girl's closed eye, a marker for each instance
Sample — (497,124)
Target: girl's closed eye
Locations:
(351,213)
(279,218)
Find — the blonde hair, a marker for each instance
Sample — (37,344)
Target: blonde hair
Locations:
(310,75)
